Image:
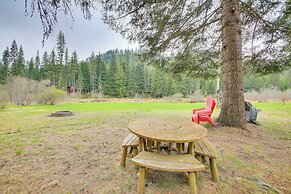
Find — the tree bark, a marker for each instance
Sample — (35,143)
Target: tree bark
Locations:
(232,108)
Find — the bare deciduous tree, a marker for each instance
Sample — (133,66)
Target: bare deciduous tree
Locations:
(22,91)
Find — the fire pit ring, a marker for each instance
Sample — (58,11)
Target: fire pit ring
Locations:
(63,113)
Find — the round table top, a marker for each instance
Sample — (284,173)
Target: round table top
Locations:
(175,130)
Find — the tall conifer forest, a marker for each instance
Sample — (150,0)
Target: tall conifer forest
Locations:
(115,73)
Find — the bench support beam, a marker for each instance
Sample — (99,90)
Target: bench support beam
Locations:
(213,169)
(123,156)
(192,183)
(141,180)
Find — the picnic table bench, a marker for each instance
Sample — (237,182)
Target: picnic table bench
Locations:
(132,142)
(203,148)
(175,163)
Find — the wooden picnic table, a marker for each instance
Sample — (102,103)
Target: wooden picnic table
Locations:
(171,130)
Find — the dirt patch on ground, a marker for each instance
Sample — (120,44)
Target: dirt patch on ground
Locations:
(86,160)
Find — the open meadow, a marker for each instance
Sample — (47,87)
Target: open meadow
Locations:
(81,153)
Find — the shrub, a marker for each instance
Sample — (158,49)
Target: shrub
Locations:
(22,91)
(4,98)
(197,97)
(175,98)
(268,95)
(283,84)
(50,96)
(178,97)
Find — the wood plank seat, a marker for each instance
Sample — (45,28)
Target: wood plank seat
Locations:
(174,163)
(132,142)
(203,148)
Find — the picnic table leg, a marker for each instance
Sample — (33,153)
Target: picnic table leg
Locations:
(183,147)
(140,144)
(170,147)
(213,169)
(123,156)
(150,145)
(192,183)
(134,153)
(180,148)
(144,144)
(141,180)
(158,146)
(190,148)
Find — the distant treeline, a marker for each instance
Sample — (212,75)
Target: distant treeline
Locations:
(115,73)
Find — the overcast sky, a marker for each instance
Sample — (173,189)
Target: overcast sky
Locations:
(81,35)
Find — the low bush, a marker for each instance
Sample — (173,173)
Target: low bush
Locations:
(51,96)
(268,95)
(4,98)
(178,96)
(22,91)
(197,97)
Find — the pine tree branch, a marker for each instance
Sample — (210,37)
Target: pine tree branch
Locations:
(133,11)
(144,3)
(254,13)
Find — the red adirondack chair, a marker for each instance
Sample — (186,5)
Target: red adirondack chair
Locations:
(203,114)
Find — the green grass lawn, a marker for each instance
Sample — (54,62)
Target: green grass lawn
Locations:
(111,106)
(55,152)
(24,118)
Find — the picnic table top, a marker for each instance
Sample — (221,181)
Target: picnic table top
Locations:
(173,130)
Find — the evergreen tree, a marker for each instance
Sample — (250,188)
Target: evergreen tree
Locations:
(157,84)
(283,84)
(36,72)
(147,80)
(86,78)
(168,89)
(125,67)
(13,57)
(2,79)
(120,82)
(31,70)
(60,55)
(131,83)
(5,66)
(92,66)
(45,66)
(53,68)
(79,79)
(140,78)
(20,63)
(1,72)
(73,69)
(101,74)
(66,66)
(253,83)
(111,85)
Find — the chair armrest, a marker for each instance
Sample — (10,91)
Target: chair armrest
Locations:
(198,109)
(203,112)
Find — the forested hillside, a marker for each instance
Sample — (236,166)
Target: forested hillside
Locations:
(115,73)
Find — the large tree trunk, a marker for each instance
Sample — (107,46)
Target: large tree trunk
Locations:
(232,108)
